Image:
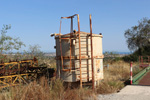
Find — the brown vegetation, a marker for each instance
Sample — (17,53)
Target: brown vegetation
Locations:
(45,91)
(114,79)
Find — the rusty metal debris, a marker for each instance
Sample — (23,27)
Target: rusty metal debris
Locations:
(16,72)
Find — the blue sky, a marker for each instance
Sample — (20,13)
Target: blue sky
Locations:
(34,20)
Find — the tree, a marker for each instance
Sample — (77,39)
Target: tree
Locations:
(7,42)
(138,37)
(34,50)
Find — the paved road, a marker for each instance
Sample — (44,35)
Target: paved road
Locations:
(130,92)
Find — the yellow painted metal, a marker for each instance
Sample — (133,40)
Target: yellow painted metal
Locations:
(16,78)
(12,80)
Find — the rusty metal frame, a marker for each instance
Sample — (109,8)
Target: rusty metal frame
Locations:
(141,60)
(144,63)
(70,38)
(24,68)
(79,42)
(71,30)
(12,80)
(17,64)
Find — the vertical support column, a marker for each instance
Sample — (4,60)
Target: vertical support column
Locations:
(139,60)
(131,73)
(149,59)
(93,74)
(70,54)
(19,75)
(61,58)
(71,30)
(142,59)
(79,52)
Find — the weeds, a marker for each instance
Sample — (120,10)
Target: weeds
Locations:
(110,86)
(114,79)
(43,90)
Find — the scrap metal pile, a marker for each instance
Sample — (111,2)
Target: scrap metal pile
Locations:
(19,72)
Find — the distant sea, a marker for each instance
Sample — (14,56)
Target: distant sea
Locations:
(121,53)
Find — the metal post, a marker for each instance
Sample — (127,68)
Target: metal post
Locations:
(139,60)
(70,53)
(93,78)
(142,59)
(131,73)
(79,52)
(107,66)
(71,30)
(60,46)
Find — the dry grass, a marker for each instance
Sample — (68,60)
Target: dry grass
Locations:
(45,91)
(115,77)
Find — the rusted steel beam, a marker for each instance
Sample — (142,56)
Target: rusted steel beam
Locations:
(79,51)
(67,38)
(69,16)
(71,31)
(93,78)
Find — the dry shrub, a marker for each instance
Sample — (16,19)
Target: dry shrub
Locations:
(110,86)
(79,94)
(57,90)
(118,71)
(43,90)
(4,96)
(114,77)
(32,91)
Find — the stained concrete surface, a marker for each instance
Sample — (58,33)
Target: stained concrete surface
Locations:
(130,92)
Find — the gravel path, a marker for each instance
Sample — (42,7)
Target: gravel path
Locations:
(130,92)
